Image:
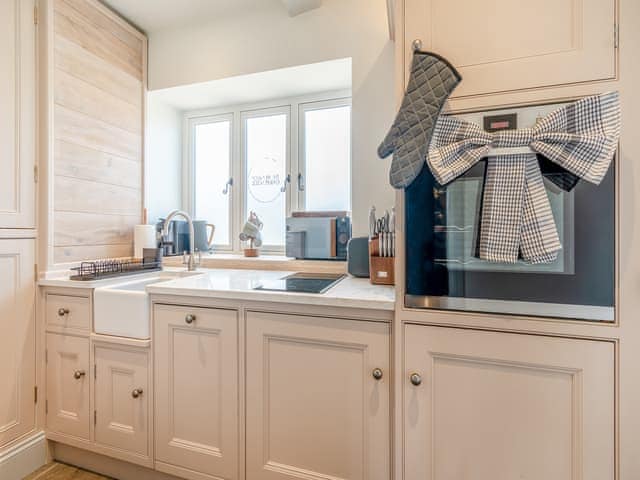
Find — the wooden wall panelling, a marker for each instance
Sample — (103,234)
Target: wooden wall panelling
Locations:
(98,69)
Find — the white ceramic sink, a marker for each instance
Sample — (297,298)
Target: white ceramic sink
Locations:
(123,309)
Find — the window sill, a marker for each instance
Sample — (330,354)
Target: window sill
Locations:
(263,262)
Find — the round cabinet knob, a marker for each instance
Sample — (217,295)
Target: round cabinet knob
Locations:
(416,44)
(63,311)
(189,318)
(377,373)
(137,392)
(415,379)
(78,374)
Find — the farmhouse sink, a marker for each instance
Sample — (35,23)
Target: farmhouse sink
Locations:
(122,309)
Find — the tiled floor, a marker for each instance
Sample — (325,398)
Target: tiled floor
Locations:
(60,471)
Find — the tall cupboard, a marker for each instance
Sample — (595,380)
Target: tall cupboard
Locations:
(18,177)
(490,396)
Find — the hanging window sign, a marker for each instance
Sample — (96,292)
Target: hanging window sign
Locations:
(265,180)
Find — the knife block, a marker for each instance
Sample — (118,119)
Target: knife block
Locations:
(381,269)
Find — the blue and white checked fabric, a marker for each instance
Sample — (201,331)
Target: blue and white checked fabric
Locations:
(516,217)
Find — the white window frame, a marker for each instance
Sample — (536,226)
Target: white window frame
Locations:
(238,191)
(190,192)
(301,163)
(265,112)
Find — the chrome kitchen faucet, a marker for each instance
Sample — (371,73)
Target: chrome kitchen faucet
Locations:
(188,259)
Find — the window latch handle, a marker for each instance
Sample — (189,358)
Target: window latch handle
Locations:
(284,184)
(227,185)
(300,182)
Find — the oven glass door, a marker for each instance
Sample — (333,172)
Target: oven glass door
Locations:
(443,269)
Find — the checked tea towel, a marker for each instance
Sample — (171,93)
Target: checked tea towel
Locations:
(516,218)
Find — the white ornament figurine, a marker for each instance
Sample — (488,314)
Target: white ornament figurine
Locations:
(251,233)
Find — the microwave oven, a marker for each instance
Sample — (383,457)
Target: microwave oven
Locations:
(317,236)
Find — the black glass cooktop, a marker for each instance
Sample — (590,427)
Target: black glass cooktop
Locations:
(302,283)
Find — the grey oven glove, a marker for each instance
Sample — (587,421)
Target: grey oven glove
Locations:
(431,81)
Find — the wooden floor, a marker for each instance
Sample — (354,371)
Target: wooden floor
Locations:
(60,471)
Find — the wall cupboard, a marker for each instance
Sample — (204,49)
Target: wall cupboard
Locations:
(507,45)
(501,406)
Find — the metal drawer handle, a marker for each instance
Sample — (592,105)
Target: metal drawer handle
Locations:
(377,373)
(63,311)
(415,379)
(189,318)
(78,374)
(137,392)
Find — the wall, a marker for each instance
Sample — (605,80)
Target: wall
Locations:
(97,66)
(163,158)
(269,39)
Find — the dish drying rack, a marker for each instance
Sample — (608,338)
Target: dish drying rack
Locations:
(100,269)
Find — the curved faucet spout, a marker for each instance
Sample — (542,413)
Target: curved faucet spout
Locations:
(191,264)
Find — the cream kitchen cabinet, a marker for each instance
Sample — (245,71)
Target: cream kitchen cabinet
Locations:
(508,45)
(122,398)
(196,392)
(17,338)
(499,406)
(317,398)
(17,114)
(68,407)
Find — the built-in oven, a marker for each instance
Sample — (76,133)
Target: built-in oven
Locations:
(442,223)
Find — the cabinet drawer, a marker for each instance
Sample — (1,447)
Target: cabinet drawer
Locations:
(68,312)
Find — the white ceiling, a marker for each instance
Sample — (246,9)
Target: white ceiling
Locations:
(257,87)
(154,15)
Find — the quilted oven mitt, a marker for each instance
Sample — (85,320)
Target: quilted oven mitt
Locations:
(431,81)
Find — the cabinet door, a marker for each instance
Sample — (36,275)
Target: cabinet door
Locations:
(500,406)
(196,391)
(17,114)
(122,398)
(314,408)
(506,45)
(17,339)
(68,409)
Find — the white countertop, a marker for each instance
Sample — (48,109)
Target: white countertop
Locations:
(239,284)
(234,284)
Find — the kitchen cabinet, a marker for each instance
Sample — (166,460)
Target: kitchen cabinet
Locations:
(196,391)
(122,398)
(506,45)
(491,405)
(17,338)
(68,392)
(317,398)
(17,114)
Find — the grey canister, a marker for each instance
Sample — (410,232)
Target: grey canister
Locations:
(358,256)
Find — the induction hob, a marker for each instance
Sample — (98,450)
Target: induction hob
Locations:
(302,283)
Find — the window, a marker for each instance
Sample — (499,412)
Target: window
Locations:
(325,160)
(211,143)
(272,160)
(266,163)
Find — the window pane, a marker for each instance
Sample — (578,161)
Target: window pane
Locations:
(327,149)
(266,163)
(212,163)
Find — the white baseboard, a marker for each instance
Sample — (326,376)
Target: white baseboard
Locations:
(23,458)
